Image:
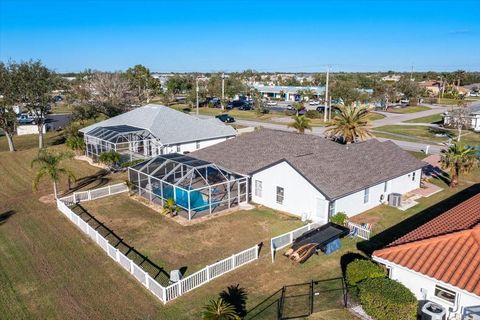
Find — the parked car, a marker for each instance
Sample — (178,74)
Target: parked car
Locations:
(25,118)
(225,118)
(271,103)
(58,98)
(314,102)
(240,104)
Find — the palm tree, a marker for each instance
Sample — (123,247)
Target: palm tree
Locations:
(170,207)
(49,166)
(75,143)
(219,310)
(350,124)
(301,123)
(109,158)
(459,159)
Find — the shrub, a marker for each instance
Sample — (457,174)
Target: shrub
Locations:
(339,218)
(360,270)
(313,114)
(386,299)
(131,163)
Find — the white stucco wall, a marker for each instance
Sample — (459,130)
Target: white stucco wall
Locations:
(300,197)
(353,204)
(192,146)
(423,288)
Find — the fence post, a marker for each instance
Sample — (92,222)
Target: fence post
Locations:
(256,251)
(147,281)
(89,195)
(272,250)
(208,273)
(179,284)
(233,261)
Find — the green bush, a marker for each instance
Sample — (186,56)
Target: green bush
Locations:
(339,218)
(360,270)
(386,299)
(131,163)
(313,114)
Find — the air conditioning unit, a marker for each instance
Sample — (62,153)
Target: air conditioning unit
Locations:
(433,311)
(394,199)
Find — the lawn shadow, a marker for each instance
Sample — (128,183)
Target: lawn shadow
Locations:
(391,234)
(237,297)
(97,180)
(6,215)
(436,173)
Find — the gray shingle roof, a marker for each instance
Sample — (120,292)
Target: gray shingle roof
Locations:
(168,125)
(335,169)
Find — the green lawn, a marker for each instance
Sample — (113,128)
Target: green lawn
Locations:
(435,118)
(51,270)
(30,141)
(410,109)
(424,134)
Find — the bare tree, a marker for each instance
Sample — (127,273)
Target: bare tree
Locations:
(460,118)
(101,93)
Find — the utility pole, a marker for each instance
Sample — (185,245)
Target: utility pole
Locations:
(223,86)
(197,89)
(326,96)
(411,73)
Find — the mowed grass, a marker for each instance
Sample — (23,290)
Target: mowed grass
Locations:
(426,133)
(409,109)
(191,246)
(51,270)
(30,141)
(48,269)
(435,118)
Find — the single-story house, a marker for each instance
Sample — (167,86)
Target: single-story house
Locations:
(472,118)
(154,130)
(440,260)
(288,93)
(312,177)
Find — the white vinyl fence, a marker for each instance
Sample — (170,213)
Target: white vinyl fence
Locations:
(359,230)
(286,239)
(172,291)
(93,194)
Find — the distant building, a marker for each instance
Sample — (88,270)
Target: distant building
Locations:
(432,86)
(288,93)
(391,78)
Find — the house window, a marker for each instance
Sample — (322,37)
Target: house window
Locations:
(445,294)
(258,188)
(385,186)
(413,176)
(280,195)
(331,208)
(366,195)
(197,144)
(178,148)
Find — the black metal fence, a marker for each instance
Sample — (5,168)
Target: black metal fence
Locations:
(301,300)
(156,272)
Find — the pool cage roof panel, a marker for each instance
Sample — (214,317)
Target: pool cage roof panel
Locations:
(119,133)
(209,172)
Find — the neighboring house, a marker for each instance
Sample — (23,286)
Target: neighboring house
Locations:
(440,260)
(312,177)
(288,93)
(432,86)
(154,130)
(472,117)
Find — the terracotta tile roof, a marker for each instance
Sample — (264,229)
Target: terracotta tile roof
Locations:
(464,216)
(453,258)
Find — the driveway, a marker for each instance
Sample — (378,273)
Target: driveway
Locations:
(57,121)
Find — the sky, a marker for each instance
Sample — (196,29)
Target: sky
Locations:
(209,36)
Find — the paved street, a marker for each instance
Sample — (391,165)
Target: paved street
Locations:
(390,119)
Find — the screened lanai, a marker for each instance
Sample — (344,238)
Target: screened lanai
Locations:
(198,187)
(131,142)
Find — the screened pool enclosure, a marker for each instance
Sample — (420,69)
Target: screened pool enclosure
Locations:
(130,142)
(198,187)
